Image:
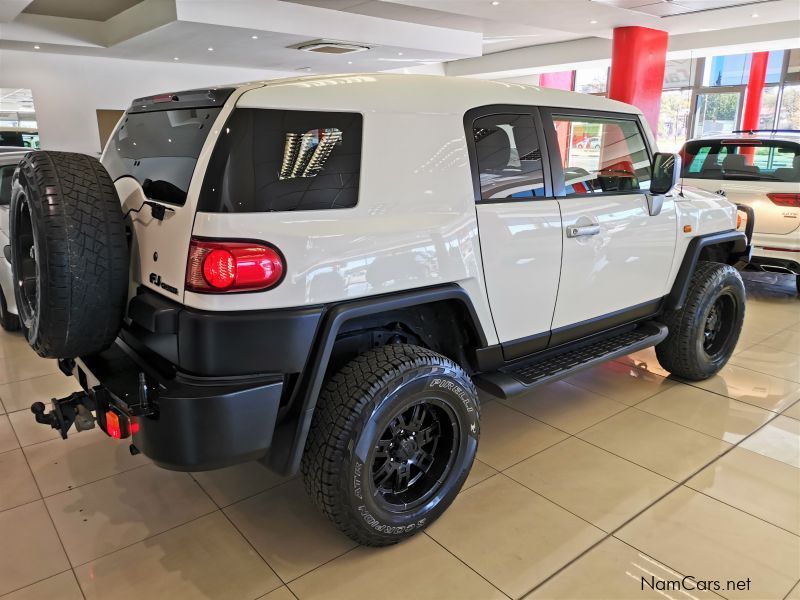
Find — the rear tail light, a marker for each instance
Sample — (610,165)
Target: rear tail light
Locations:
(780,199)
(219,266)
(118,425)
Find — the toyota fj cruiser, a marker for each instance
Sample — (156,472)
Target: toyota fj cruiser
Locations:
(318,272)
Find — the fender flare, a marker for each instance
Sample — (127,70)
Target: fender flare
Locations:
(288,444)
(680,287)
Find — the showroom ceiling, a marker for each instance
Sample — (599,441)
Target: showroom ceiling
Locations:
(474,36)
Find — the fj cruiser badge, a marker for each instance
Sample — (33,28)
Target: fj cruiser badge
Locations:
(155,279)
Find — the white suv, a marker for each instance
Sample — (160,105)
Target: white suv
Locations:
(760,169)
(317,272)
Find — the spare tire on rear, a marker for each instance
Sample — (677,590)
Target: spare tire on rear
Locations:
(69,254)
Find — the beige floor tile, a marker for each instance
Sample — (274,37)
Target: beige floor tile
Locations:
(795,593)
(206,558)
(418,568)
(709,413)
(508,436)
(19,395)
(232,484)
(779,439)
(59,587)
(645,359)
(290,533)
(104,516)
(793,411)
(612,569)
(765,359)
(8,441)
(60,465)
(29,431)
(620,382)
(661,446)
(21,366)
(479,472)
(282,593)
(764,487)
(597,486)
(746,385)
(564,406)
(30,550)
(13,344)
(510,535)
(698,535)
(17,485)
(787,340)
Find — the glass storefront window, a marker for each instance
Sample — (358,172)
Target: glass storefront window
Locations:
(591,81)
(678,73)
(716,113)
(789,116)
(793,70)
(769,102)
(734,69)
(673,119)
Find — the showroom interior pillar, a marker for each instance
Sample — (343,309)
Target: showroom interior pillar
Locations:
(752,96)
(560,80)
(638,60)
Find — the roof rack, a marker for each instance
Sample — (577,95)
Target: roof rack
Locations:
(766,131)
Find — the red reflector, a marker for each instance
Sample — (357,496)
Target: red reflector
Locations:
(232,266)
(741,142)
(112,425)
(780,199)
(134,427)
(779,249)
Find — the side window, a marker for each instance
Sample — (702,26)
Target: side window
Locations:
(6,176)
(284,160)
(602,155)
(509,157)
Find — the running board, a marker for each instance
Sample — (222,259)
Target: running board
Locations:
(523,375)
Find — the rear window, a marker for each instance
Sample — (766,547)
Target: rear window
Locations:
(160,149)
(753,160)
(284,160)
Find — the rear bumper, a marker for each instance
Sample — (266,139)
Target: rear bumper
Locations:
(777,253)
(192,424)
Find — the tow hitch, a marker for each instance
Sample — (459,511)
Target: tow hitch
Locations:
(76,408)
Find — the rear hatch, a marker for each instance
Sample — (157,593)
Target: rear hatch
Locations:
(761,173)
(153,156)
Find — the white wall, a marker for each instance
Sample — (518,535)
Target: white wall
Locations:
(68,89)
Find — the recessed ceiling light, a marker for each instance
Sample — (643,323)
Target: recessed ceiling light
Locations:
(399,54)
(704,29)
(754,15)
(36,47)
(210,49)
(349,62)
(593,22)
(495,3)
(175,58)
(253,37)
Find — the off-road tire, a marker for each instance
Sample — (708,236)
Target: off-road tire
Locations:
(8,321)
(348,421)
(68,242)
(682,353)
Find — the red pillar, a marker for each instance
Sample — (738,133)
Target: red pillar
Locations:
(752,97)
(638,59)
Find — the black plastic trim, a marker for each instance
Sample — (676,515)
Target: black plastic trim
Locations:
(179,100)
(680,287)
(570,333)
(524,346)
(285,455)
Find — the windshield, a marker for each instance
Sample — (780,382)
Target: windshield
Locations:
(742,159)
(160,149)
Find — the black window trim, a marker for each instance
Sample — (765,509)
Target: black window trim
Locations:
(489,110)
(557,171)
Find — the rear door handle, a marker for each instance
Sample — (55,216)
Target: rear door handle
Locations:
(573,232)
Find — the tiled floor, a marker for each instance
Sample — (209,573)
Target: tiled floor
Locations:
(581,489)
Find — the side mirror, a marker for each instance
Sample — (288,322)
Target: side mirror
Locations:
(666,172)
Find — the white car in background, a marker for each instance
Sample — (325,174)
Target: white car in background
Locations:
(760,169)
(8,308)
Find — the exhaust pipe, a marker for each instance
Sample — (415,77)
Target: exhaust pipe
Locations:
(777,269)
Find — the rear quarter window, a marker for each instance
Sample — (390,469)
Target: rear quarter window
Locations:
(753,160)
(269,160)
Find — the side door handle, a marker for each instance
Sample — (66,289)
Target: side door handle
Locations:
(573,232)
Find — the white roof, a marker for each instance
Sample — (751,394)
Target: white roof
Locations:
(390,92)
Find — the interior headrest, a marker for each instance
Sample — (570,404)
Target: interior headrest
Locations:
(494,150)
(796,162)
(734,162)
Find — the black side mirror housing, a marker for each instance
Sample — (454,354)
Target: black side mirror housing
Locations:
(666,172)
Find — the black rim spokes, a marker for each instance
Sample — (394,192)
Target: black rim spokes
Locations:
(26,252)
(412,456)
(719,325)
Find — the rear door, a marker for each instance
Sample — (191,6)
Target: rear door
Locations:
(761,173)
(617,257)
(519,223)
(152,156)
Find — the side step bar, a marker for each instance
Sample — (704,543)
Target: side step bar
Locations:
(527,373)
